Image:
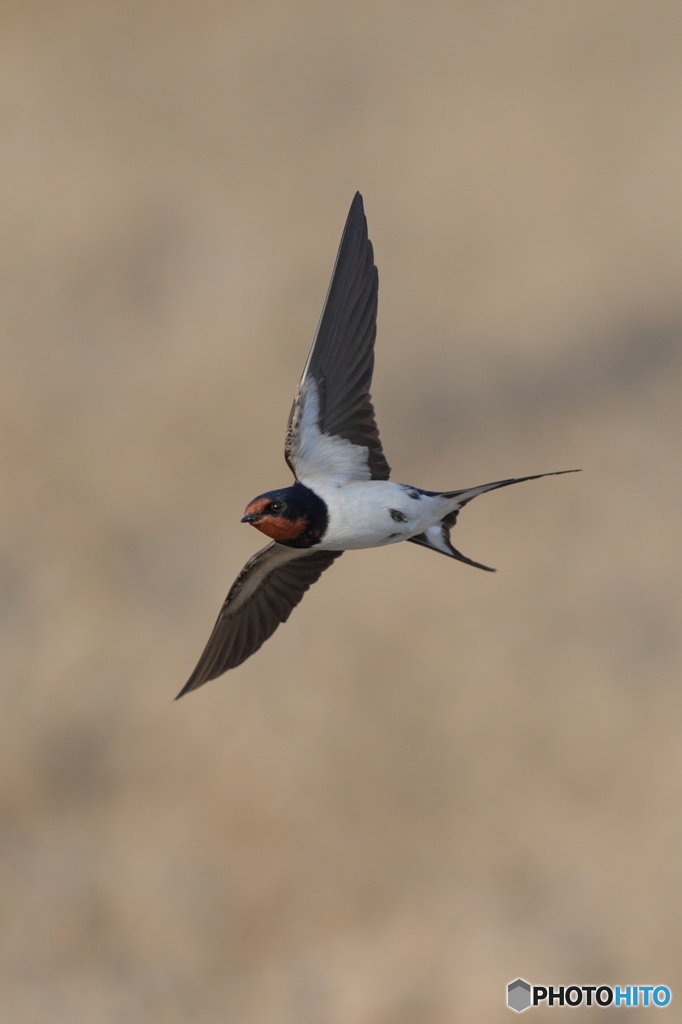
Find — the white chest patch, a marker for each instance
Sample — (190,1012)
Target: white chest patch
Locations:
(375,513)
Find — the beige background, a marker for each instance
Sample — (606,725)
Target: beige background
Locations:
(431,780)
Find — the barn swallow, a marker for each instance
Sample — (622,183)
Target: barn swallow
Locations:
(341,497)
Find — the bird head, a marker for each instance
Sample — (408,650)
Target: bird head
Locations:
(294,516)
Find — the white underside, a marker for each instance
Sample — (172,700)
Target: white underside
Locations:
(360,513)
(360,508)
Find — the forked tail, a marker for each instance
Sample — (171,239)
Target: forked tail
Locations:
(438,537)
(468,493)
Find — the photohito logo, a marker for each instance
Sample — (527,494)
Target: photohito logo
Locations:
(521,995)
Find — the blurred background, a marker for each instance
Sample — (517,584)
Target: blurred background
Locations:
(431,780)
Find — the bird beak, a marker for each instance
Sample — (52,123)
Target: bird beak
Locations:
(252,517)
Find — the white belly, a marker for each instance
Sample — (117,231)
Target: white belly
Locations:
(372,513)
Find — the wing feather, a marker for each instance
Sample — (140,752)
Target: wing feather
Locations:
(338,371)
(264,594)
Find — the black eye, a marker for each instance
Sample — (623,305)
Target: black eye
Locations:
(277,506)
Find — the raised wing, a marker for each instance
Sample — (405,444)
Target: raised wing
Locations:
(332,431)
(264,594)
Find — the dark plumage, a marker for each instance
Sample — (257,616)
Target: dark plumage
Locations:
(275,512)
(264,595)
(341,359)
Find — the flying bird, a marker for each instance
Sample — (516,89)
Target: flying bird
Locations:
(342,497)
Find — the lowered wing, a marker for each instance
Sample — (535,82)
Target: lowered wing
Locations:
(264,594)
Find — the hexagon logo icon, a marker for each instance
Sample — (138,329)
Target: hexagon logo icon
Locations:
(518,995)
